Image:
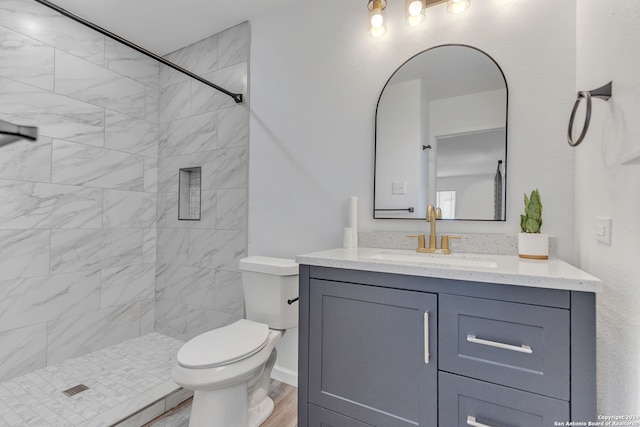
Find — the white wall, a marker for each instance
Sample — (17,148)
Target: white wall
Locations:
(608,48)
(472,193)
(314,84)
(398,147)
(477,111)
(315,77)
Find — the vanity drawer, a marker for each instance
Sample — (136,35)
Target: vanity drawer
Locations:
(466,402)
(516,345)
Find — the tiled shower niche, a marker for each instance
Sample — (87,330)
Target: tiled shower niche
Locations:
(189,194)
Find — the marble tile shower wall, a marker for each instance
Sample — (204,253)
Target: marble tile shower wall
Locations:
(77,207)
(198,285)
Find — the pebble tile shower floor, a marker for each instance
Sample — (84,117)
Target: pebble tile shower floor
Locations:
(122,380)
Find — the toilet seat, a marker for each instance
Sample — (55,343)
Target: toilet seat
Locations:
(224,345)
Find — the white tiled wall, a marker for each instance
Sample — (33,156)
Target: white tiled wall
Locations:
(198,285)
(78,210)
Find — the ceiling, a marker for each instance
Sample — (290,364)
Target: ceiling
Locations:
(162,26)
(475,153)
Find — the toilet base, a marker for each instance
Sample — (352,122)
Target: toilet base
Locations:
(259,413)
(225,407)
(234,395)
(230,408)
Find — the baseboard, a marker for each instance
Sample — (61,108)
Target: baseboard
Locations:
(285,375)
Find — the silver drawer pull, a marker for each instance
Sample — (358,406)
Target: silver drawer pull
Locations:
(472,422)
(518,348)
(426,337)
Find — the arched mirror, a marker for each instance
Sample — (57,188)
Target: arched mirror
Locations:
(441,137)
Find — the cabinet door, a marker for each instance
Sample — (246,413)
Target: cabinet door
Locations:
(373,353)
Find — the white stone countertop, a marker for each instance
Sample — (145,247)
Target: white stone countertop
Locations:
(502,269)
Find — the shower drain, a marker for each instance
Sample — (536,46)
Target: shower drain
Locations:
(75,390)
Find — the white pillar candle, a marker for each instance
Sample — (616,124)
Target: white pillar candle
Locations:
(353,220)
(347,239)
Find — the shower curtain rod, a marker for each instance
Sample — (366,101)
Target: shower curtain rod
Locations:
(10,132)
(237,97)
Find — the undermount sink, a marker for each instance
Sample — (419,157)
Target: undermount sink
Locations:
(437,260)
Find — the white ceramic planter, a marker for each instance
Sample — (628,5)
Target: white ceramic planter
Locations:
(533,245)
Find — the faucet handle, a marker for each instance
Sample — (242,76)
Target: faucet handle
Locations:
(444,242)
(421,240)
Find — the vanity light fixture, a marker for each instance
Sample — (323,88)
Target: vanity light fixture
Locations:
(415,12)
(377,18)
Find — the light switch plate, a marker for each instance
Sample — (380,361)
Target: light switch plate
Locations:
(602,229)
(399,187)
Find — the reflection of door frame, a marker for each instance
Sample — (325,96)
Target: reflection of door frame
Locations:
(433,155)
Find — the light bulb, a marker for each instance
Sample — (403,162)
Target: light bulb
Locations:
(377,20)
(415,8)
(458,6)
(414,11)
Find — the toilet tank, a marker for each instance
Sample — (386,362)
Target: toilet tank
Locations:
(268,283)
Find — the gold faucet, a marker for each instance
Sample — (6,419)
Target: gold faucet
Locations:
(433,214)
(431,218)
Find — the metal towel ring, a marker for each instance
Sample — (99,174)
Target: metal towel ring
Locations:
(603,93)
(587,119)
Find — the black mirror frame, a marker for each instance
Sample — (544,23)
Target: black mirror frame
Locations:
(375,135)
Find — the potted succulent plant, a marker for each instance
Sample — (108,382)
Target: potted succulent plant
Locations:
(531,243)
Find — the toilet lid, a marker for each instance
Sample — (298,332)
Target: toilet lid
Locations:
(224,345)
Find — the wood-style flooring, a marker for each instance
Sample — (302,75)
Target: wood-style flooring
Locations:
(285,413)
(285,398)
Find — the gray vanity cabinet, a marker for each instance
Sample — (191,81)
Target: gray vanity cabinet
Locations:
(389,350)
(373,353)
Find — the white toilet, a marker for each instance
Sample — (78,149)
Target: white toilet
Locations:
(229,368)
